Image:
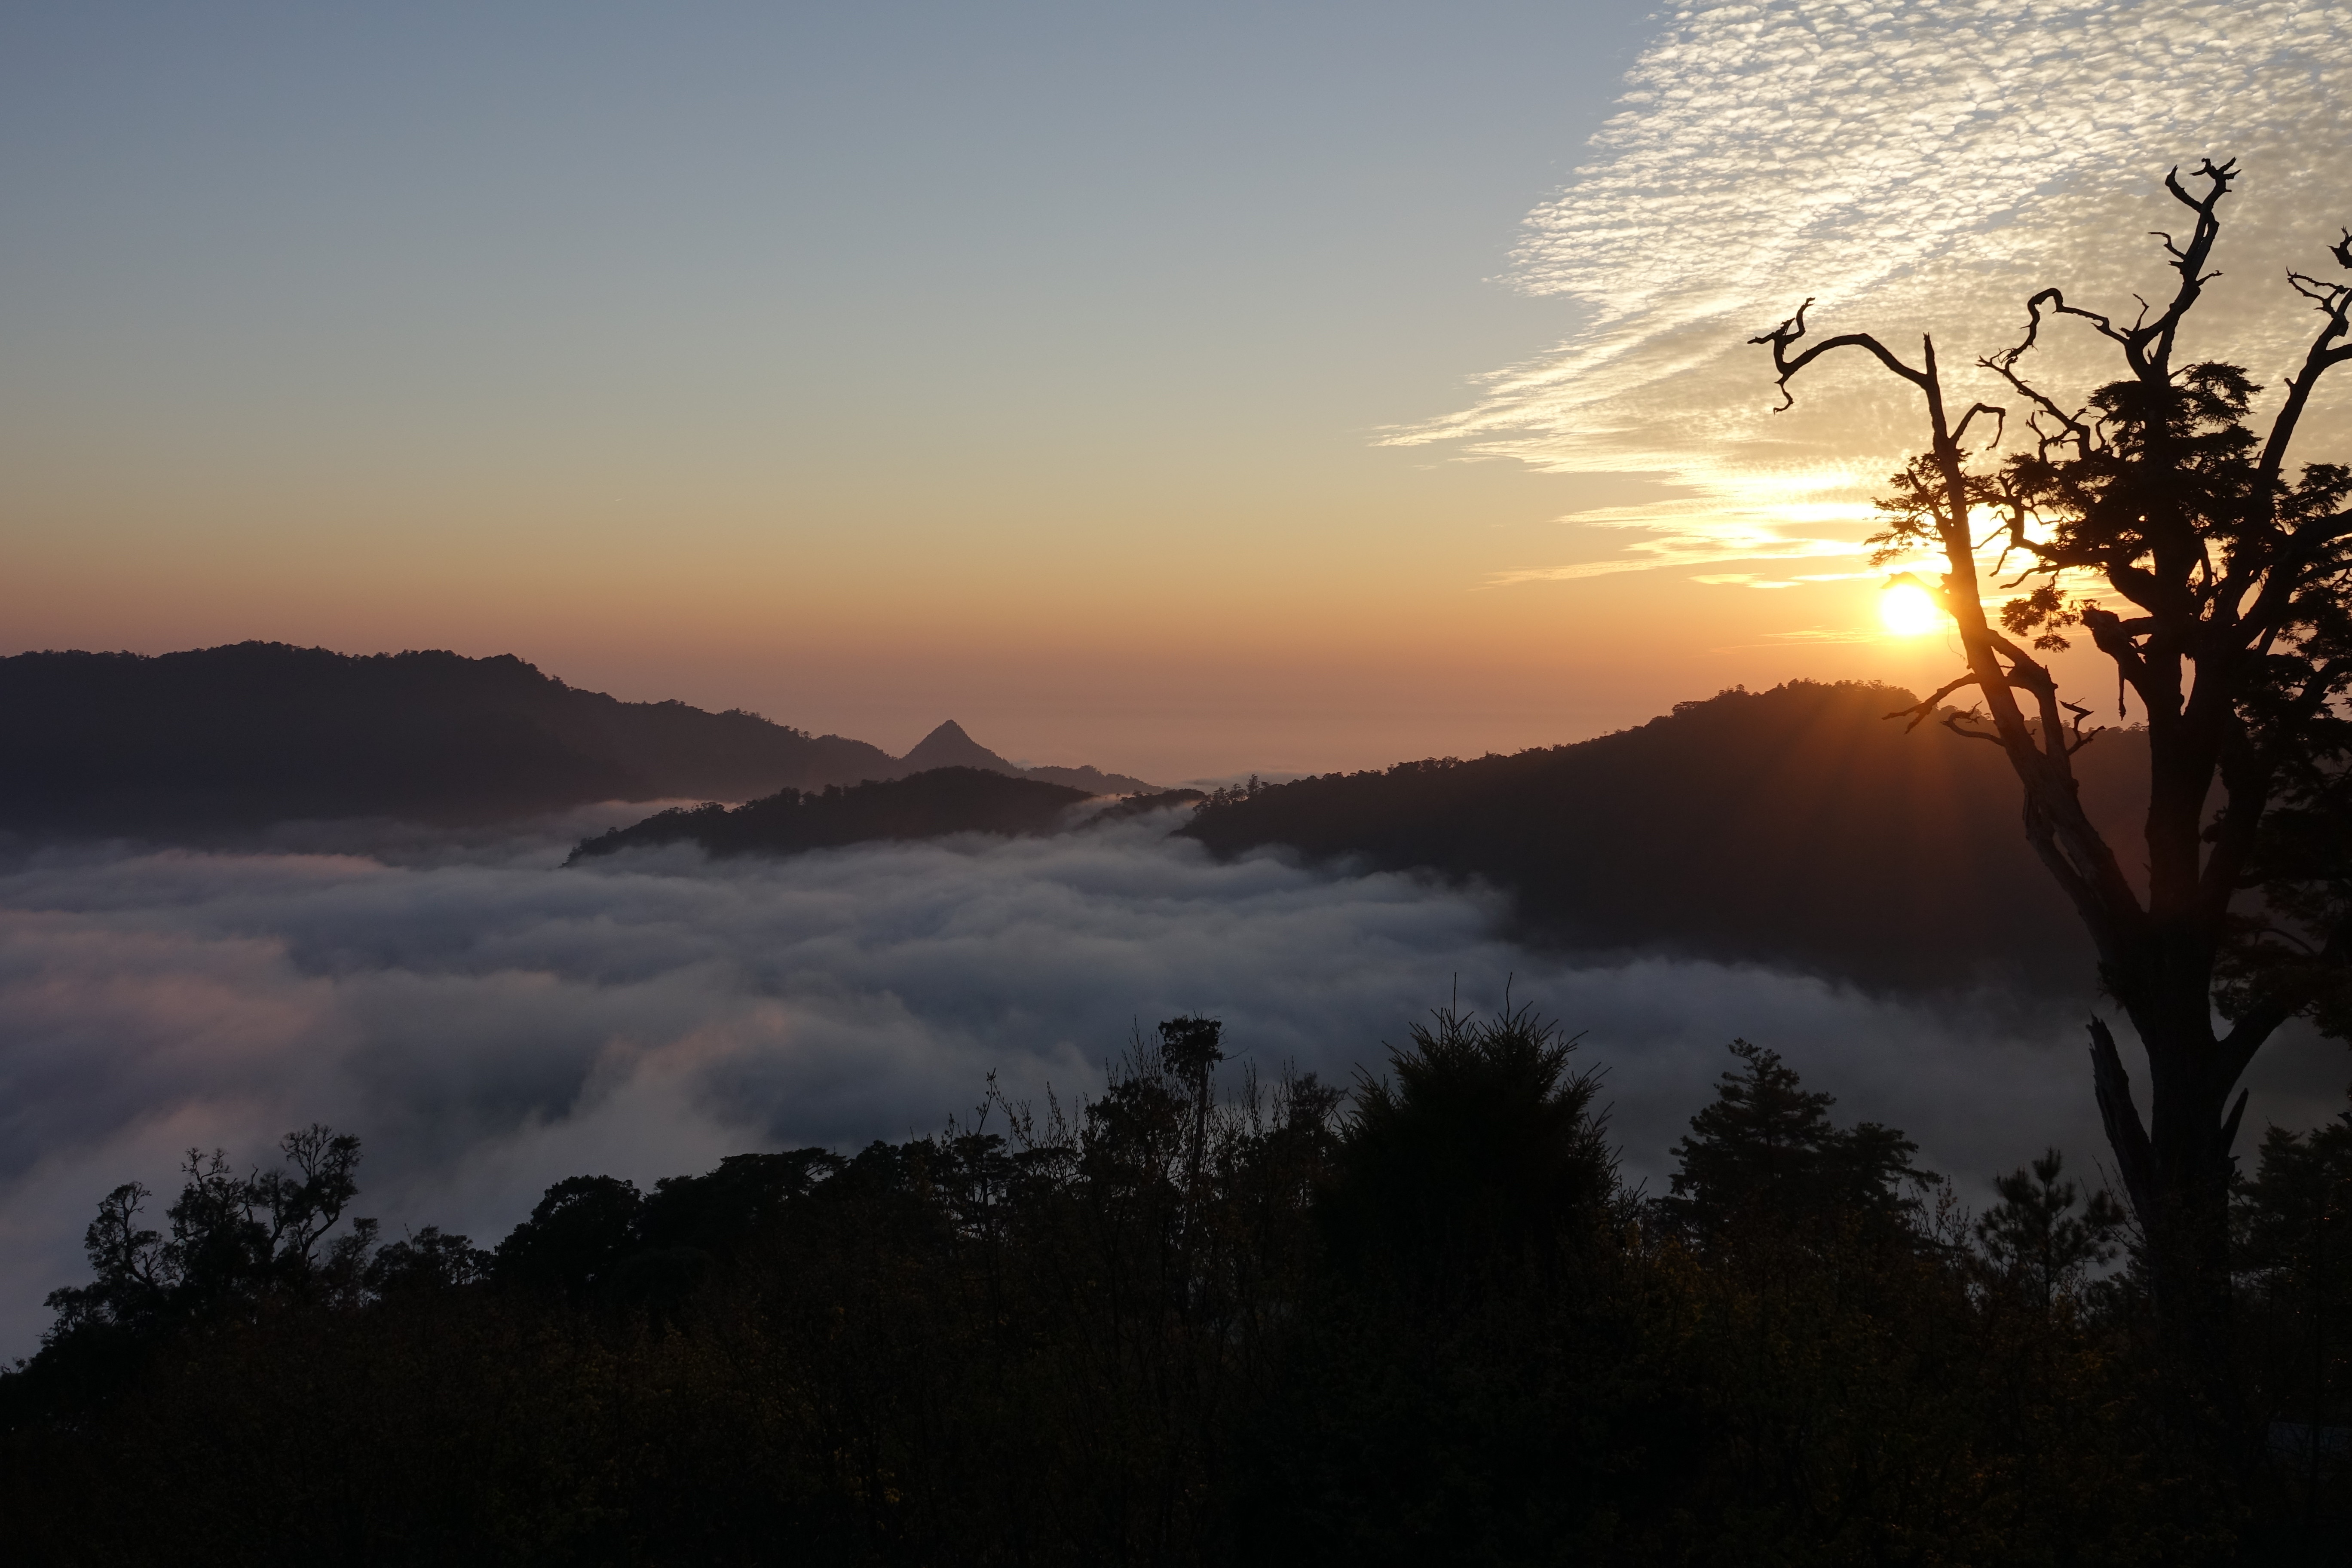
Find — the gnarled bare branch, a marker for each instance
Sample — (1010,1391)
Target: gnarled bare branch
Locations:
(1789,331)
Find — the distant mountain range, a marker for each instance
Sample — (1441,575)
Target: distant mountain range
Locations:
(948,747)
(1797,828)
(239,736)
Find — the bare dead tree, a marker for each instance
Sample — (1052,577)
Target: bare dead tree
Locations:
(2157,520)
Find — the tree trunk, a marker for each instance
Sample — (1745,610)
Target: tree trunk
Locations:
(2176,1169)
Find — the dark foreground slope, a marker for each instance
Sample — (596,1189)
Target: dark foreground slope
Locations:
(923,805)
(1793,826)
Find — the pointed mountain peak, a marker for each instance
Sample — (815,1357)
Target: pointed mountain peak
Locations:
(948,747)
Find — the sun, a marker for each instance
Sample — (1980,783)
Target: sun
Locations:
(1908,610)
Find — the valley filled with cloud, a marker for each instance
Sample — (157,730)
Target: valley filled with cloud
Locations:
(488,1023)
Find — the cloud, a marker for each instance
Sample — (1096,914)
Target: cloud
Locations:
(488,1023)
(1916,165)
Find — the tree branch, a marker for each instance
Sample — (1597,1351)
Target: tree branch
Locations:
(1956,723)
(2084,438)
(2256,1024)
(1790,330)
(2000,424)
(2189,262)
(2125,1133)
(2056,299)
(1920,712)
(2335,302)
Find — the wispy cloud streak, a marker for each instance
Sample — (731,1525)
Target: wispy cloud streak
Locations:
(1916,165)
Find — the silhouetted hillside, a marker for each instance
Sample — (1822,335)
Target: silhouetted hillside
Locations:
(237,737)
(949,747)
(1796,825)
(922,805)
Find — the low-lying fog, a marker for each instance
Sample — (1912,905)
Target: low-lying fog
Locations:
(488,1023)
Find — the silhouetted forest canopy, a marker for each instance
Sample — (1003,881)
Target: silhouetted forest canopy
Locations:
(243,736)
(927,804)
(1792,827)
(1201,1317)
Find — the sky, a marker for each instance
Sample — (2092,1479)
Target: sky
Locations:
(1180,390)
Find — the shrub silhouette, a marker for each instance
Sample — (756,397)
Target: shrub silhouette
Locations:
(1479,1151)
(1766,1156)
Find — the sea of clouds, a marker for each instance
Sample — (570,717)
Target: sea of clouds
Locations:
(490,1021)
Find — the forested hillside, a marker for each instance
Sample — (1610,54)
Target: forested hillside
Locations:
(1795,827)
(259,732)
(239,736)
(927,804)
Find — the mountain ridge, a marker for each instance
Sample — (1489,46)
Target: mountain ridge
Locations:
(949,746)
(230,737)
(1795,828)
